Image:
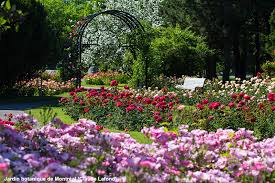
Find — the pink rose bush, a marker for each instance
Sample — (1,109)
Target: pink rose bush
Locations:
(81,150)
(48,87)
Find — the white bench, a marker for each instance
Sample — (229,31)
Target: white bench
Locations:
(192,83)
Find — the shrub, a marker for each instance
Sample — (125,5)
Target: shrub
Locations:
(104,78)
(171,51)
(269,68)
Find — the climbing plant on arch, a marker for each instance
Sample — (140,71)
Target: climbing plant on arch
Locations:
(107,40)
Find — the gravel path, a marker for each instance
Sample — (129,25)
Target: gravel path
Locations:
(20,107)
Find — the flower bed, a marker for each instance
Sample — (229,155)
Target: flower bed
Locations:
(48,87)
(84,150)
(120,109)
(104,78)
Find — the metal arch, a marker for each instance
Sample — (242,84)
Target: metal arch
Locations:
(125,17)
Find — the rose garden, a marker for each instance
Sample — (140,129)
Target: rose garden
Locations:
(137,91)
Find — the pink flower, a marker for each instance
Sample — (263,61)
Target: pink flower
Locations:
(101,172)
(210,118)
(145,163)
(181,107)
(273,108)
(4,168)
(126,87)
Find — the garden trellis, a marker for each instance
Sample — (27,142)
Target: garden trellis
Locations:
(86,35)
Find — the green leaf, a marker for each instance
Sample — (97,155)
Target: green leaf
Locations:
(8,5)
(2,21)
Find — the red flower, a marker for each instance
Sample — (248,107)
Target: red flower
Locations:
(126,87)
(205,101)
(154,103)
(241,94)
(246,97)
(119,104)
(199,106)
(130,108)
(234,96)
(72,93)
(156,113)
(170,118)
(261,105)
(109,95)
(214,105)
(156,98)
(81,102)
(171,104)
(140,109)
(241,103)
(259,75)
(113,83)
(86,109)
(139,97)
(162,98)
(231,104)
(98,127)
(271,96)
(115,98)
(76,100)
(147,100)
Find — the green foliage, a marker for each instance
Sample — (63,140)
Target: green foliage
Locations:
(270,45)
(25,50)
(179,52)
(10,17)
(269,68)
(169,51)
(104,78)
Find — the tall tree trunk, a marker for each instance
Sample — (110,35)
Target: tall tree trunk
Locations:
(244,46)
(236,51)
(257,43)
(227,5)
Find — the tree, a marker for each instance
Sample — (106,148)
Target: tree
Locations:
(234,28)
(25,51)
(10,17)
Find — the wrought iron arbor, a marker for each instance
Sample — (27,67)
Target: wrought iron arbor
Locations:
(128,19)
